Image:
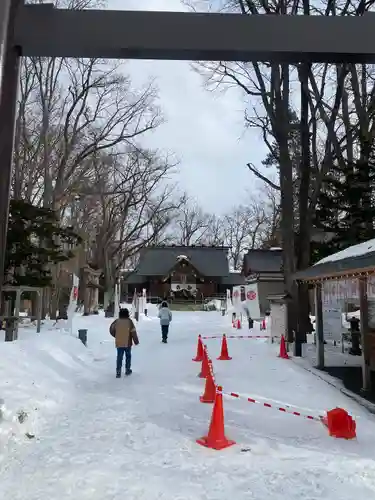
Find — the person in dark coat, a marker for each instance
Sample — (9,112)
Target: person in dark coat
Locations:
(125,334)
(165,317)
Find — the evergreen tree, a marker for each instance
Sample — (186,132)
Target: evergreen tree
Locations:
(35,240)
(345,207)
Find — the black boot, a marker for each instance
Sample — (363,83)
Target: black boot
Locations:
(128,372)
(118,374)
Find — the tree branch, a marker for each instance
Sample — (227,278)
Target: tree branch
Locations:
(262,177)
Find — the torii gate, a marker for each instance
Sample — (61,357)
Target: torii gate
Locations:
(42,30)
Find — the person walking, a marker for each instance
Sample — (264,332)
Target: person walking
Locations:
(125,334)
(165,316)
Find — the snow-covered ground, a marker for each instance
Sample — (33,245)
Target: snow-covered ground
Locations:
(100,438)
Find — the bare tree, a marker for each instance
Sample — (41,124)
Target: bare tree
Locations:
(215,234)
(248,227)
(192,224)
(71,112)
(268,89)
(99,111)
(269,199)
(130,206)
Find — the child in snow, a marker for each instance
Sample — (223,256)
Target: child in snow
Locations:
(165,316)
(124,332)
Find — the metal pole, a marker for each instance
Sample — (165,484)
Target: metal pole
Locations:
(365,336)
(8,106)
(319,333)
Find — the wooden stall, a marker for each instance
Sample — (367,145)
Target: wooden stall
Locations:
(354,271)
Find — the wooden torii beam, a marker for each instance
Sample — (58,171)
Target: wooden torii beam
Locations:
(42,30)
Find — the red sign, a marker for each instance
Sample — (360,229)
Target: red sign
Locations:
(236,294)
(251,295)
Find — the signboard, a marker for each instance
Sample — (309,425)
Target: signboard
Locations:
(332,322)
(236,299)
(252,300)
(278,320)
(371,314)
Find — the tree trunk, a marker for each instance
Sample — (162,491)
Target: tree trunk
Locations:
(281,128)
(54,303)
(304,232)
(46,301)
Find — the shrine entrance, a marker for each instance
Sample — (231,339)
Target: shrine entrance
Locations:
(43,30)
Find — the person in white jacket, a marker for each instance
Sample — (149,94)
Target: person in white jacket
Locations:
(165,316)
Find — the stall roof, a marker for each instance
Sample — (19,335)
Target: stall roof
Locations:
(233,279)
(353,261)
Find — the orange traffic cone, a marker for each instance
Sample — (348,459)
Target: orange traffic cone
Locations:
(263,324)
(224,356)
(210,388)
(205,366)
(199,355)
(283,354)
(216,439)
(238,324)
(340,424)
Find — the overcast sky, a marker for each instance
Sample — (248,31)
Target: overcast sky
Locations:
(204,130)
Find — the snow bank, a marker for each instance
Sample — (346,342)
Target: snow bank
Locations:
(215,303)
(103,437)
(37,373)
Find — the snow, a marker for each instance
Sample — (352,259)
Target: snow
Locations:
(345,318)
(182,257)
(353,251)
(98,438)
(216,303)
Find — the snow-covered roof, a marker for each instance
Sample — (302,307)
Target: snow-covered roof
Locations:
(353,251)
(352,261)
(182,257)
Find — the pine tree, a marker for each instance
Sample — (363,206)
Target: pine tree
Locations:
(35,240)
(345,207)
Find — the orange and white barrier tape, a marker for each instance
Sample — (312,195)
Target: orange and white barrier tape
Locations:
(275,407)
(237,337)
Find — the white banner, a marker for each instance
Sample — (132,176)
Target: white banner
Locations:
(236,299)
(346,290)
(117,301)
(229,305)
(134,302)
(144,300)
(190,287)
(252,300)
(72,302)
